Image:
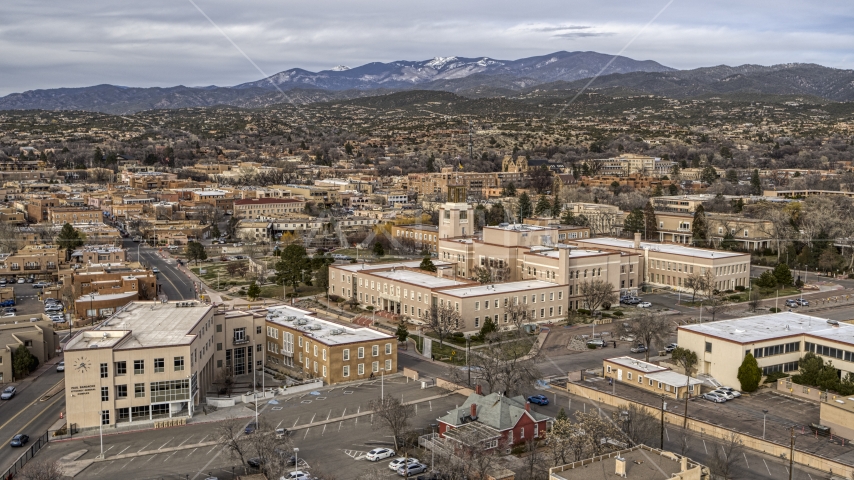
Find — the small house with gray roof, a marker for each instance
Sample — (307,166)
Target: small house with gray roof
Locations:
(492,420)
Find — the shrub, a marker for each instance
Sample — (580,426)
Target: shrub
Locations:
(519,449)
(583,311)
(772,378)
(606,306)
(618,313)
(740,288)
(749,374)
(591,346)
(335,298)
(729,291)
(734,298)
(773,310)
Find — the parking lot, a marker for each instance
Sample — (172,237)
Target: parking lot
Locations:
(325,444)
(27,299)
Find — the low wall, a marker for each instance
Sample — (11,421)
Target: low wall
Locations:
(220,402)
(716,431)
(453,387)
(787,387)
(305,387)
(408,372)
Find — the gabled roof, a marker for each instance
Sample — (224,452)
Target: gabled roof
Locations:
(493,410)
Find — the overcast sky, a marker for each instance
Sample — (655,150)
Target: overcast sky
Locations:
(51,44)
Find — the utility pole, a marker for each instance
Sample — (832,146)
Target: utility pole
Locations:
(468,367)
(663,408)
(792,453)
(471,144)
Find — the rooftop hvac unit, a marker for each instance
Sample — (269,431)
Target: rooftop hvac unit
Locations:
(314,327)
(290,318)
(302,321)
(336,332)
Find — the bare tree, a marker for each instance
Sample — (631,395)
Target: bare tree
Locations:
(753,299)
(726,456)
(394,415)
(442,320)
(272,452)
(596,293)
(696,282)
(230,437)
(517,315)
(41,470)
(651,329)
(638,425)
(534,465)
(687,359)
(684,442)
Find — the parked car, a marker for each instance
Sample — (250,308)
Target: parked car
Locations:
(8,393)
(644,305)
(31,280)
(670,347)
(60,367)
(639,348)
(539,399)
(792,303)
(727,395)
(250,428)
(19,440)
(282,432)
(399,461)
(21,280)
(803,302)
(7,303)
(735,393)
(41,284)
(413,469)
(378,454)
(10,310)
(713,397)
(9,314)
(155,269)
(298,475)
(597,342)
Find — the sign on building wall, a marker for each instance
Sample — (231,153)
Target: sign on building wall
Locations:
(428,347)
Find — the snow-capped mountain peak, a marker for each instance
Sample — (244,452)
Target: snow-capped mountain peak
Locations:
(439,62)
(341,68)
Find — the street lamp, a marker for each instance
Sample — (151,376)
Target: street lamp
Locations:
(764,412)
(101,432)
(432,444)
(91,308)
(296,459)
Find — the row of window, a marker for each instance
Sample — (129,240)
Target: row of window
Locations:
(831,352)
(168,391)
(360,368)
(532,315)
(121,367)
(777,349)
(783,367)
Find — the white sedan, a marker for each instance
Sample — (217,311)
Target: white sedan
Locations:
(399,461)
(644,305)
(378,454)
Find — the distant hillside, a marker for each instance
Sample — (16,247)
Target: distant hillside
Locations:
(468,77)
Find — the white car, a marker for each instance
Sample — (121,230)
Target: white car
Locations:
(378,454)
(399,461)
(60,367)
(644,305)
(724,393)
(735,393)
(298,475)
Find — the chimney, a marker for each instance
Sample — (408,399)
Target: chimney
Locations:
(683,464)
(637,240)
(473,412)
(621,467)
(527,406)
(478,390)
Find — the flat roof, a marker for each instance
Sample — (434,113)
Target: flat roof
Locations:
(676,379)
(366,267)
(144,324)
(324,331)
(573,252)
(642,463)
(520,227)
(663,247)
(773,325)
(636,364)
(420,279)
(492,289)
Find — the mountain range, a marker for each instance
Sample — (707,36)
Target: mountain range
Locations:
(472,77)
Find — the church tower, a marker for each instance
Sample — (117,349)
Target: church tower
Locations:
(456,216)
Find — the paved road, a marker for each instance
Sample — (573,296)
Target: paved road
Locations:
(173,282)
(25,413)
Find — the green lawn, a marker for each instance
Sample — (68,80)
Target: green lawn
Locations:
(739,297)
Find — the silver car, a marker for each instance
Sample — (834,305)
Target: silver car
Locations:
(714,397)
(8,393)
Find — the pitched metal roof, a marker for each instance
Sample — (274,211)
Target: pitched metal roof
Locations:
(493,410)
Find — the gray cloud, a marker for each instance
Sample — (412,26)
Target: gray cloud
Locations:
(48,44)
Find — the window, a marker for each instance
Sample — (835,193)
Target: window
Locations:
(375,367)
(218,328)
(536,430)
(300,342)
(159,365)
(324,371)
(138,367)
(258,330)
(219,347)
(104,372)
(629,374)
(388,349)
(388,365)
(324,356)
(179,363)
(121,368)
(105,417)
(709,347)
(375,350)
(640,379)
(169,391)
(346,354)
(522,432)
(360,353)
(476,322)
(105,394)
(346,372)
(139,390)
(121,391)
(361,369)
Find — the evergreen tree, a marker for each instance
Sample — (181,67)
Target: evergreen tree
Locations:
(708,174)
(431,164)
(699,227)
(650,222)
(783,275)
(487,328)
(755,183)
(293,262)
(402,333)
(557,206)
(322,276)
(561,415)
(196,252)
(69,238)
(509,190)
(673,189)
(23,362)
(732,176)
(766,280)
(749,374)
(254,291)
(97,157)
(544,207)
(215,233)
(525,208)
(634,222)
(657,191)
(568,218)
(427,265)
(379,251)
(496,214)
